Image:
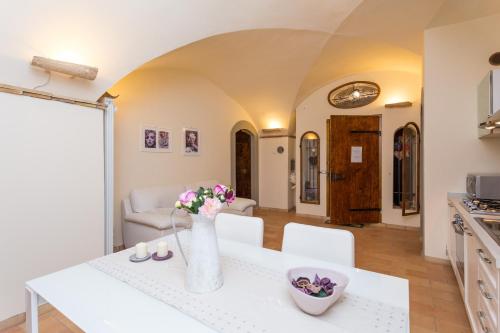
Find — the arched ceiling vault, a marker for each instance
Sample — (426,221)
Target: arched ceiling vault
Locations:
(266,54)
(269,71)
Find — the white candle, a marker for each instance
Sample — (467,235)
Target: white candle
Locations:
(162,249)
(141,250)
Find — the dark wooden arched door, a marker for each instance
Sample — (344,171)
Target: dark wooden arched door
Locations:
(243,164)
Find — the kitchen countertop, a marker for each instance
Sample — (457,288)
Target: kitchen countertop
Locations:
(489,243)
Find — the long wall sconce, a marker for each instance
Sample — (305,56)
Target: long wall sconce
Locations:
(71,69)
(399,105)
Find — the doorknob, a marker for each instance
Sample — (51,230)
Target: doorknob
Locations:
(336,176)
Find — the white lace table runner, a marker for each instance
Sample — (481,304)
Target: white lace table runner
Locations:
(253,298)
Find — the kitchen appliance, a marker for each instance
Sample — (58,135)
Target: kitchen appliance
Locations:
(483,186)
(483,207)
(457,224)
(491,226)
(488,104)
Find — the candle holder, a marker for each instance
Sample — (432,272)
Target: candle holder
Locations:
(133,258)
(169,255)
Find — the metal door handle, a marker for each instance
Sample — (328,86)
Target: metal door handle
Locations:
(337,176)
(485,328)
(480,253)
(483,291)
(458,228)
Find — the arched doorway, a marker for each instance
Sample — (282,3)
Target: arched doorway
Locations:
(243,164)
(244,160)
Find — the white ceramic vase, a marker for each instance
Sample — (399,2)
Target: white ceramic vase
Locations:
(204,272)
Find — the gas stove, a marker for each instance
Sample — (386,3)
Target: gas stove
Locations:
(492,227)
(482,206)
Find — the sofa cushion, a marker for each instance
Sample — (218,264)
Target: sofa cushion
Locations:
(204,183)
(147,199)
(159,218)
(240,204)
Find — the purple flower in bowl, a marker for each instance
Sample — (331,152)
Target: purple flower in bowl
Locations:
(314,290)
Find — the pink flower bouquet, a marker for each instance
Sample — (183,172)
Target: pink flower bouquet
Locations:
(206,201)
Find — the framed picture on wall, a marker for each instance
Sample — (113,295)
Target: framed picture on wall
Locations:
(164,140)
(148,138)
(191,141)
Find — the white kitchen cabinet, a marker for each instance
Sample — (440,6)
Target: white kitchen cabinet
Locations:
(471,296)
(481,284)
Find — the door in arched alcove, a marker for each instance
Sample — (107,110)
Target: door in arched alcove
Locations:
(243,164)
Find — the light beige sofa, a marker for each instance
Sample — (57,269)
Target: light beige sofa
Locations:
(148,212)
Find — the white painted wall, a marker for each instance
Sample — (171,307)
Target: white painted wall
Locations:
(313,112)
(274,173)
(456,59)
(170,99)
(51,193)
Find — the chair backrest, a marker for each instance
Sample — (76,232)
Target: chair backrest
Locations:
(333,245)
(245,229)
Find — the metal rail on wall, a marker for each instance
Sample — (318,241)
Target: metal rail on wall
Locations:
(48,96)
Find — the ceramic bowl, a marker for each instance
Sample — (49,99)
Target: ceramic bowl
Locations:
(311,304)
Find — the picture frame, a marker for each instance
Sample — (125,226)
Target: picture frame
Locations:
(191,141)
(164,140)
(148,138)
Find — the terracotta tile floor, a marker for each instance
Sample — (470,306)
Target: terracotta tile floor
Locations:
(435,301)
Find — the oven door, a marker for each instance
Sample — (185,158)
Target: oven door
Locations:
(459,248)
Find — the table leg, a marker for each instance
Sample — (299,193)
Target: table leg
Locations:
(31,311)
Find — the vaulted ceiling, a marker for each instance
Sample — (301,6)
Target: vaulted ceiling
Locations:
(269,71)
(266,54)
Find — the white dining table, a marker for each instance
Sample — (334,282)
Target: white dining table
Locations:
(97,302)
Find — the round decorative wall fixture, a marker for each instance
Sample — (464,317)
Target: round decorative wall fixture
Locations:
(354,94)
(280,150)
(495,59)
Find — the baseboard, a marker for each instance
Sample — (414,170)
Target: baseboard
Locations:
(118,248)
(21,318)
(438,260)
(311,216)
(282,210)
(394,226)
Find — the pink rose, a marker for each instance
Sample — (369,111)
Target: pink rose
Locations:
(220,189)
(210,208)
(187,197)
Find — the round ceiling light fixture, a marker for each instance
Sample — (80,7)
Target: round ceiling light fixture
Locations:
(354,94)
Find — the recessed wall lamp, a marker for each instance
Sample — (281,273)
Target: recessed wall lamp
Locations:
(71,69)
(399,105)
(273,132)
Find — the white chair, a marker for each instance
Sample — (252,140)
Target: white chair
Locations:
(327,244)
(244,229)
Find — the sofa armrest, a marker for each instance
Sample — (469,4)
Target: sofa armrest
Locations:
(159,218)
(126,207)
(241,204)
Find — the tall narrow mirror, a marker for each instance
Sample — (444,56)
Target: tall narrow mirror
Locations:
(309,168)
(406,176)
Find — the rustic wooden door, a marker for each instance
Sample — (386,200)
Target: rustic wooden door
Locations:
(243,164)
(354,169)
